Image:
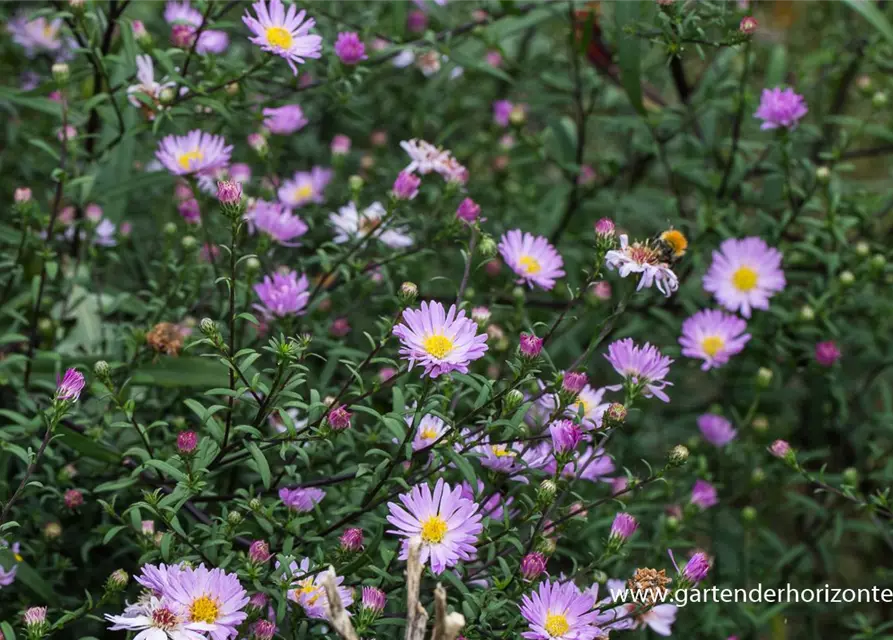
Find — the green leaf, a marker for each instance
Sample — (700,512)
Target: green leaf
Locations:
(30,578)
(167,469)
(628,53)
(870,12)
(85,445)
(263,467)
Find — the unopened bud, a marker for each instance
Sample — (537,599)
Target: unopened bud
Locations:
(408,292)
(117,580)
(878,261)
(513,400)
(101,368)
(189,243)
(234,518)
(252,265)
(546,491)
(807,314)
(232,89)
(207,326)
(615,415)
(823,175)
(166,95)
(678,455)
(847,278)
(850,476)
(255,504)
(760,423)
(355,183)
(748,514)
(764,377)
(864,84)
(61,73)
(169,229)
(862,248)
(487,246)
(879,100)
(757,475)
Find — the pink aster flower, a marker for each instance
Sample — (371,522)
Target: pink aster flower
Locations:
(282,33)
(531,257)
(502,109)
(182,13)
(309,593)
(406,186)
(713,336)
(644,365)
(827,353)
(424,156)
(559,611)
(588,404)
(282,294)
(71,385)
(446,523)
(305,186)
(703,494)
(36,35)
(159,619)
(145,73)
(301,499)
(194,152)
(744,274)
(277,222)
(441,342)
(284,121)
(349,48)
(213,597)
(645,259)
(780,108)
(716,430)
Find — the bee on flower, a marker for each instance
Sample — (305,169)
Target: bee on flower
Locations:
(649,259)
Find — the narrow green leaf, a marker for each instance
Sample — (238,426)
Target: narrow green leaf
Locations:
(263,467)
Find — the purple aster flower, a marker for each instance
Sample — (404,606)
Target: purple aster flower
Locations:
(71,385)
(744,274)
(406,186)
(623,527)
(559,611)
(301,499)
(283,294)
(565,436)
(502,110)
(182,13)
(284,121)
(501,457)
(644,365)
(374,599)
(594,465)
(703,494)
(212,41)
(349,48)
(645,259)
(429,431)
(446,523)
(305,186)
(780,108)
(277,222)
(36,35)
(7,577)
(441,342)
(309,592)
(533,565)
(531,257)
(827,353)
(212,597)
(155,578)
(282,33)
(716,430)
(194,152)
(713,336)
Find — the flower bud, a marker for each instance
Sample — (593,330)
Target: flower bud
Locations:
(101,368)
(234,518)
(259,143)
(52,530)
(207,326)
(878,261)
(513,400)
(487,246)
(263,630)
(252,265)
(468,210)
(879,100)
(546,491)
(259,552)
(533,565)
(697,568)
(140,34)
(757,475)
(117,581)
(406,186)
(748,25)
(169,229)
(760,424)
(352,540)
(615,415)
(73,499)
(339,418)
(748,514)
(374,599)
(255,504)
(764,377)
(823,175)
(61,73)
(189,244)
(807,314)
(827,353)
(408,292)
(847,278)
(22,195)
(862,248)
(229,195)
(187,441)
(35,620)
(355,183)
(518,114)
(780,449)
(565,436)
(850,476)
(678,455)
(573,382)
(530,346)
(864,84)
(232,89)
(623,527)
(604,228)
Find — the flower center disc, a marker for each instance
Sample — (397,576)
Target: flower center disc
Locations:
(187,158)
(164,618)
(556,625)
(204,609)
(438,346)
(744,279)
(712,344)
(428,434)
(304,191)
(279,37)
(433,530)
(530,265)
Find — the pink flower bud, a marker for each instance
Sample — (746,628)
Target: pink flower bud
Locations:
(349,48)
(531,346)
(182,35)
(416,21)
(340,327)
(574,382)
(340,145)
(187,441)
(604,228)
(827,353)
(374,599)
(352,540)
(468,210)
(229,193)
(533,565)
(22,195)
(339,418)
(623,527)
(565,436)
(259,552)
(748,25)
(406,186)
(780,449)
(263,630)
(73,498)
(71,385)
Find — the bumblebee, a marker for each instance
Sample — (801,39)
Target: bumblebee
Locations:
(672,245)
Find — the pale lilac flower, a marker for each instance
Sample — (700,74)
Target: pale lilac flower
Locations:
(350,224)
(340,145)
(145,73)
(429,431)
(659,619)
(158,619)
(283,294)
(468,210)
(277,222)
(305,186)
(36,35)
(349,48)
(194,152)
(374,599)
(593,465)
(531,257)
(559,611)
(240,172)
(104,234)
(182,13)
(446,523)
(309,592)
(780,108)
(645,259)
(501,458)
(210,596)
(284,120)
(7,577)
(533,565)
(212,41)
(71,385)
(716,430)
(744,274)
(406,186)
(703,495)
(644,365)
(827,353)
(282,33)
(301,499)
(424,156)
(441,342)
(713,336)
(589,403)
(502,109)
(623,527)
(565,436)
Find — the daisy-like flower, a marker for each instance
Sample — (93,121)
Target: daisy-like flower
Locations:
(430,429)
(194,152)
(645,366)
(283,294)
(645,259)
(500,457)
(531,257)
(301,499)
(716,430)
(182,13)
(35,35)
(145,73)
(593,465)
(285,34)
(210,596)
(159,620)
(212,41)
(284,121)
(780,108)
(277,222)
(305,186)
(588,403)
(424,156)
(309,592)
(441,342)
(713,336)
(350,224)
(559,611)
(744,274)
(447,524)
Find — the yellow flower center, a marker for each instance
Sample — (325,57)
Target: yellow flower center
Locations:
(187,158)
(500,451)
(204,609)
(744,279)
(712,345)
(428,434)
(308,589)
(433,530)
(556,624)
(438,346)
(304,191)
(530,265)
(279,37)
(580,404)
(676,241)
